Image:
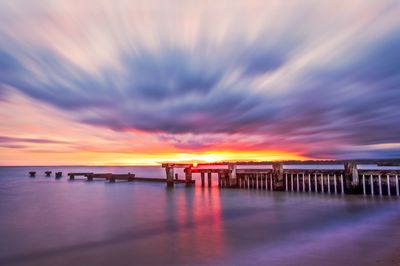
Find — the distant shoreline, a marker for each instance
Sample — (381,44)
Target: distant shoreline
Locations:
(379,162)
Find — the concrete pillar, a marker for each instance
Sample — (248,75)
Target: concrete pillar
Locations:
(169,171)
(233,182)
(278,181)
(188,175)
(351,175)
(202,179)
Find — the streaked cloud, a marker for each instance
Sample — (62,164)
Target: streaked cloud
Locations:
(302,77)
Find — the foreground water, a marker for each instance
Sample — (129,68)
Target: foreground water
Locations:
(44,221)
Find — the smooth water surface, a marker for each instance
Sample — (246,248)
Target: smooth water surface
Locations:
(44,221)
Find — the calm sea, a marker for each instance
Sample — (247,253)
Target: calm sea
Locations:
(44,221)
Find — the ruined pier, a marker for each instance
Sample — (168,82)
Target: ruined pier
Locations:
(275,177)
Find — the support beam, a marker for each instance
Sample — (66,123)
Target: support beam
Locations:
(388,184)
(203,181)
(380,184)
(397,186)
(209,179)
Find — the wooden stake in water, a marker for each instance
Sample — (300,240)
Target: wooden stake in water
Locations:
(297,183)
(380,185)
(309,182)
(335,183)
(372,185)
(329,184)
(291,179)
(322,183)
(316,182)
(286,179)
(364,189)
(304,184)
(388,184)
(397,186)
(341,183)
(271,182)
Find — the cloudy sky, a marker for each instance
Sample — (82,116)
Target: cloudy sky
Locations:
(141,82)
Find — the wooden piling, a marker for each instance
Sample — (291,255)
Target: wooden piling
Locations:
(32,173)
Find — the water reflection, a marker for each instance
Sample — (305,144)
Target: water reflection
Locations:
(56,222)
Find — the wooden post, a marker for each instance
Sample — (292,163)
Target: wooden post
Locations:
(304,183)
(341,184)
(309,182)
(209,179)
(291,182)
(335,183)
(388,184)
(286,182)
(322,183)
(316,183)
(372,185)
(48,173)
(271,182)
(364,188)
(397,186)
(219,180)
(202,179)
(329,184)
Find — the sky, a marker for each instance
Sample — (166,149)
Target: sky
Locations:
(142,82)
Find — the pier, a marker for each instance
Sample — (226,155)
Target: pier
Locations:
(271,176)
(274,177)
